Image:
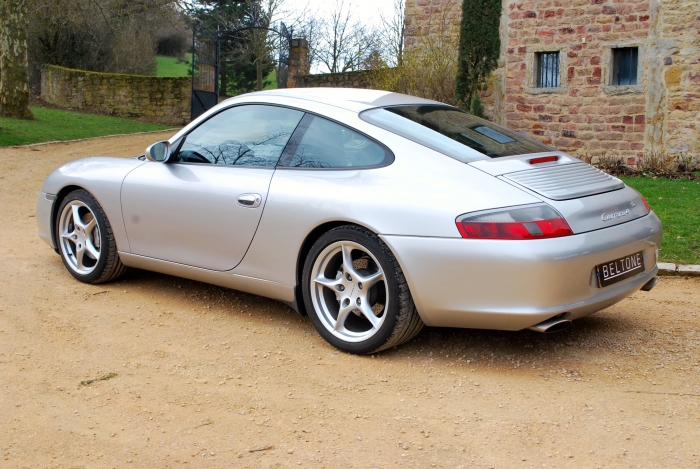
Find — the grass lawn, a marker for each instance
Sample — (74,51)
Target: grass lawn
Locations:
(272,78)
(55,124)
(173,67)
(677,203)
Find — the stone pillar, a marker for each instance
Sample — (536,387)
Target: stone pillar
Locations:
(298,61)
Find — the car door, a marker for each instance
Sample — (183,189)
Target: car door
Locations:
(203,206)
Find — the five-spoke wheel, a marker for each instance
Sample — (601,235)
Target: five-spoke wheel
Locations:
(79,236)
(349,291)
(356,294)
(85,240)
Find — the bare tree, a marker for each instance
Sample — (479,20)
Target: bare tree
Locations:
(392,34)
(429,65)
(99,35)
(344,43)
(261,41)
(14,78)
(310,27)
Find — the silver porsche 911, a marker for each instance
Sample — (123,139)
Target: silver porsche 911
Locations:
(372,212)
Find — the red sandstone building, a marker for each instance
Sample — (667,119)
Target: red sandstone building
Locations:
(593,76)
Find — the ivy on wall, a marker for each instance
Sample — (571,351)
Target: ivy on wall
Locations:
(479,49)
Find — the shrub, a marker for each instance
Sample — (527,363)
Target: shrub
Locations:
(686,164)
(613,164)
(479,47)
(652,164)
(655,163)
(476,108)
(429,66)
(174,44)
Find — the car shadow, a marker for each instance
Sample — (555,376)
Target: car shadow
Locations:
(609,333)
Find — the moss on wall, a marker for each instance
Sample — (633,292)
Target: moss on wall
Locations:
(163,100)
(359,79)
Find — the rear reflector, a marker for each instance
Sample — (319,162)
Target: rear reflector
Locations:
(532,222)
(544,159)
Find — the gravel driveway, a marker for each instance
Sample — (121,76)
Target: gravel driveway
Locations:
(200,376)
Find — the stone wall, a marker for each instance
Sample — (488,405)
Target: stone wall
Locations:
(359,79)
(154,99)
(426,17)
(586,114)
(676,72)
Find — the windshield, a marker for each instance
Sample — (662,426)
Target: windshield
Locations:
(453,132)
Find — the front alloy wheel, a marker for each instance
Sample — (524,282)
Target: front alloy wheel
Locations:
(79,236)
(85,239)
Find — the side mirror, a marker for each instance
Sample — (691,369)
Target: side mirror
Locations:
(158,152)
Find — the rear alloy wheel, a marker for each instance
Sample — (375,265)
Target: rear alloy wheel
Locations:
(85,239)
(356,294)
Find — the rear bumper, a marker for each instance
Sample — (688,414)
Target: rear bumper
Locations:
(512,285)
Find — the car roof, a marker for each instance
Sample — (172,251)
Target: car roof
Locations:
(352,99)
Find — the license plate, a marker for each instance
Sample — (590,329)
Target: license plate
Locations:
(619,269)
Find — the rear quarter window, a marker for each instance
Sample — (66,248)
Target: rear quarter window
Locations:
(453,132)
(320,143)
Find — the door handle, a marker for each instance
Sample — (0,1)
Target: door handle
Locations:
(249,200)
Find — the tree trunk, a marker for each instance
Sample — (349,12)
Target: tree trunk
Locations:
(258,72)
(14,79)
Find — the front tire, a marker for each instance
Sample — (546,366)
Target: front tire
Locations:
(85,239)
(356,294)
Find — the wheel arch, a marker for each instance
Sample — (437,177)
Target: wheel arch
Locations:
(57,204)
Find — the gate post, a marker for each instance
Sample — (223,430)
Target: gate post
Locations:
(298,60)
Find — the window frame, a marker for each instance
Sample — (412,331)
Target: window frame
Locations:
(607,62)
(298,134)
(531,69)
(181,140)
(634,71)
(537,75)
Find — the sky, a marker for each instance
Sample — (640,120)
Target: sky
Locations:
(367,11)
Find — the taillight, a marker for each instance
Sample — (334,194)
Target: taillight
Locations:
(646,204)
(532,222)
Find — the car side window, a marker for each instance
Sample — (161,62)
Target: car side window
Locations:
(251,135)
(321,143)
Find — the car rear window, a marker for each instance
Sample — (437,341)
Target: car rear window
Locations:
(452,131)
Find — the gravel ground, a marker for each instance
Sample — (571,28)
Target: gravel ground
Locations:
(156,371)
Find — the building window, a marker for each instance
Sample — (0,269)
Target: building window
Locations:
(624,66)
(547,70)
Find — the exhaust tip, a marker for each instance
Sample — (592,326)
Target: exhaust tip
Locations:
(650,284)
(551,325)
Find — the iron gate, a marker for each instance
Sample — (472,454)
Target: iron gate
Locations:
(205,70)
(206,57)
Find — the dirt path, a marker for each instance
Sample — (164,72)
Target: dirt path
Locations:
(207,377)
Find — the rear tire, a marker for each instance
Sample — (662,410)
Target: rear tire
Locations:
(356,294)
(85,239)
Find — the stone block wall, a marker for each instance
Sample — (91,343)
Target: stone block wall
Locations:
(154,99)
(676,71)
(358,79)
(425,17)
(586,114)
